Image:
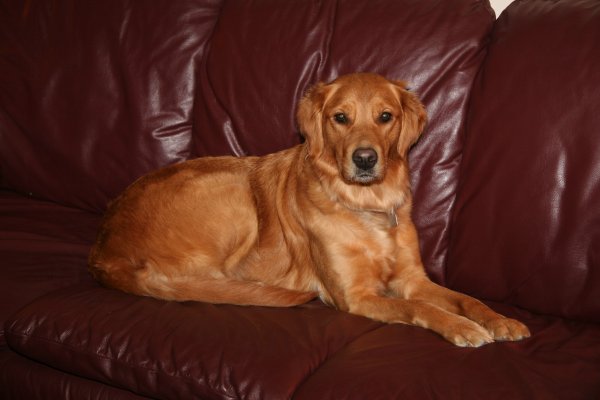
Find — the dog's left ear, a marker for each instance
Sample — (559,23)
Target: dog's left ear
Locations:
(310,116)
(414,118)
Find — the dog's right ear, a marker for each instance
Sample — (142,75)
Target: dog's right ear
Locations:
(310,118)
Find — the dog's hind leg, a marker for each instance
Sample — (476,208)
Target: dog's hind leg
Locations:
(193,279)
(224,291)
(143,280)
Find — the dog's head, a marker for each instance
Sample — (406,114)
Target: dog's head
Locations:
(359,123)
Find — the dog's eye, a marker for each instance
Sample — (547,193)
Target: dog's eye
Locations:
(385,117)
(340,118)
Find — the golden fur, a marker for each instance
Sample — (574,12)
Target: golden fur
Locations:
(318,219)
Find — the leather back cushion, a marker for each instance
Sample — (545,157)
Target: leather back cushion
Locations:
(527,221)
(95,94)
(265,54)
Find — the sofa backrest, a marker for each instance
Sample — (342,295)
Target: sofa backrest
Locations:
(527,219)
(95,93)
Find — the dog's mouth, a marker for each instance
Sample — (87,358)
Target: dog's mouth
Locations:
(364,177)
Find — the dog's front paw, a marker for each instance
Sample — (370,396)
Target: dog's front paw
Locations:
(507,329)
(466,333)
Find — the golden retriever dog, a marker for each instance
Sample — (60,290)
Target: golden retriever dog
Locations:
(330,218)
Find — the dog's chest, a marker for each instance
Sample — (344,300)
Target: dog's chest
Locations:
(378,243)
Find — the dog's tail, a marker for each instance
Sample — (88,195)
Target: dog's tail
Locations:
(217,291)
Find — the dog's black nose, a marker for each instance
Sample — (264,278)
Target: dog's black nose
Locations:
(364,158)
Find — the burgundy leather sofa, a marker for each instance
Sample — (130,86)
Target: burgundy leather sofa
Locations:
(506,181)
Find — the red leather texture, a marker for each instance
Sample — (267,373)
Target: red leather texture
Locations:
(44,247)
(43,383)
(526,226)
(398,362)
(182,350)
(94,94)
(173,350)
